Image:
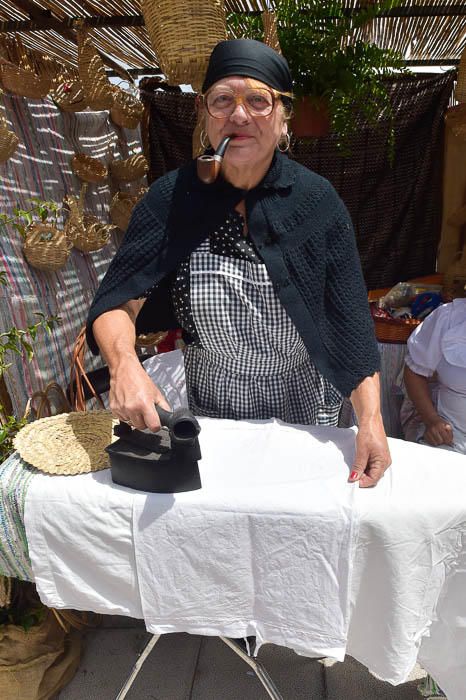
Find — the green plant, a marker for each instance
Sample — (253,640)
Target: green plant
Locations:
(22,218)
(328,58)
(24,607)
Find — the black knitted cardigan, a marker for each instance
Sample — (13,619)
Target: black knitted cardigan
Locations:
(303,232)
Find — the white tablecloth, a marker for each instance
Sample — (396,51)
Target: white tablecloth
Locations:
(92,544)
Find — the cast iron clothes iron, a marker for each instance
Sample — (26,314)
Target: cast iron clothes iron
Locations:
(163,462)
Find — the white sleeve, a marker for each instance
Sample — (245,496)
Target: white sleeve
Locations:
(424,350)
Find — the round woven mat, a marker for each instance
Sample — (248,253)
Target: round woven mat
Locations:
(69,443)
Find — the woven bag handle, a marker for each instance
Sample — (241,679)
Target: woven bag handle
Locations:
(78,376)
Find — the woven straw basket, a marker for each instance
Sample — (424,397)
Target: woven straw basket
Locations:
(183,35)
(122,206)
(68,94)
(23,82)
(68,443)
(88,169)
(90,235)
(97,88)
(46,247)
(394,330)
(127,110)
(8,141)
(130,169)
(269,22)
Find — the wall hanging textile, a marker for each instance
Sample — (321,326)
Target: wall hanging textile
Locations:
(396,210)
(41,168)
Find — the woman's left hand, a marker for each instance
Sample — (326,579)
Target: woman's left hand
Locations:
(372,457)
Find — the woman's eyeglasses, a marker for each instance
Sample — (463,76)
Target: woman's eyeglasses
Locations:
(221,103)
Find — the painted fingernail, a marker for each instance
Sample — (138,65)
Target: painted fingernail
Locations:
(354,475)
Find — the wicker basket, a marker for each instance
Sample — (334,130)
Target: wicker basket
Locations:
(130,169)
(8,141)
(97,88)
(394,330)
(90,235)
(122,207)
(46,247)
(183,35)
(127,110)
(88,169)
(269,22)
(23,82)
(68,95)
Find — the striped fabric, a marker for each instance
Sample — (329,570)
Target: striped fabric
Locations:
(15,477)
(40,168)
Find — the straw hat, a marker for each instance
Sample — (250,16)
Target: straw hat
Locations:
(68,443)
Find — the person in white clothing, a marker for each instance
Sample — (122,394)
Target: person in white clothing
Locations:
(435,378)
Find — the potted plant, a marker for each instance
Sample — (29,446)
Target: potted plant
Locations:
(337,75)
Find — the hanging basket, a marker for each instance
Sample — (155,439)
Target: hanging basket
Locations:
(130,169)
(269,22)
(89,235)
(8,141)
(88,169)
(122,206)
(126,110)
(68,95)
(97,88)
(24,82)
(46,247)
(183,35)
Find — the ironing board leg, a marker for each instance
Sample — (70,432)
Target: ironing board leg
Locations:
(257,667)
(137,666)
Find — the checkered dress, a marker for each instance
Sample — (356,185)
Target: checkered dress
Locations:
(246,360)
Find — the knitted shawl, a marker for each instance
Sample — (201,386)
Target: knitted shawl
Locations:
(304,235)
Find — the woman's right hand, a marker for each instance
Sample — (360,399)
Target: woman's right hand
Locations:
(133,395)
(438,432)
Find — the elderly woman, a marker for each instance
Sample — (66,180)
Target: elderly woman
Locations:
(260,269)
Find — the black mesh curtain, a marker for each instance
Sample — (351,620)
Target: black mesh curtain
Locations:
(396,209)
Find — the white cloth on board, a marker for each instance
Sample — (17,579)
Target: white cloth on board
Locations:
(438,346)
(407,584)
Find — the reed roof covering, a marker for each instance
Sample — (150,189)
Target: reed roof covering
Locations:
(422,30)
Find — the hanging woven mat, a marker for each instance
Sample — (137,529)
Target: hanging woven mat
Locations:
(269,22)
(46,247)
(460,90)
(130,169)
(97,88)
(183,35)
(88,169)
(122,206)
(126,110)
(69,443)
(8,141)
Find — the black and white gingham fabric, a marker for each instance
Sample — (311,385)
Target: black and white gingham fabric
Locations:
(247,360)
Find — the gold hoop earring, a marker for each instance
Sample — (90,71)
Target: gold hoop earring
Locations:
(203,138)
(283,147)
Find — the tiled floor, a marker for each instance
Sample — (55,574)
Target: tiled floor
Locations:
(185,667)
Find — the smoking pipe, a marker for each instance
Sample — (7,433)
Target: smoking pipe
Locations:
(208,167)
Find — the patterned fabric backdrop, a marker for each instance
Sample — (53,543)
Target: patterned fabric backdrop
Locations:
(41,168)
(396,209)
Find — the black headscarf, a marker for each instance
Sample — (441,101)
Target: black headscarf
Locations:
(251,59)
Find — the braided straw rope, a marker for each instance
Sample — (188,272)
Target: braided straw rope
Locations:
(69,443)
(183,35)
(269,22)
(97,88)
(460,90)
(130,169)
(46,247)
